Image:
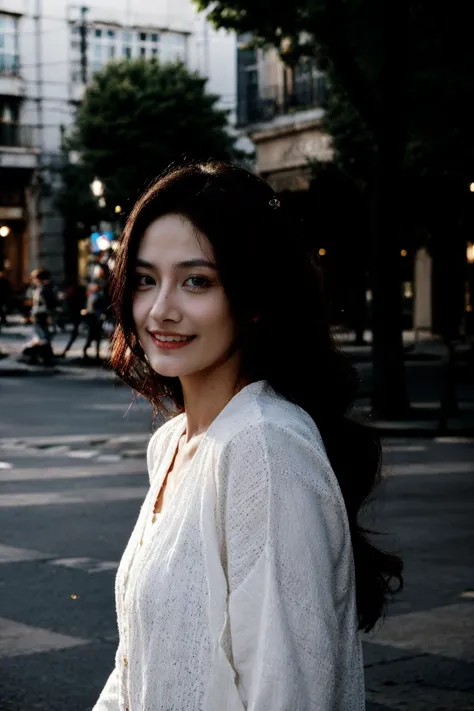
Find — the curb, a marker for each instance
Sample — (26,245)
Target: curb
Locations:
(16,371)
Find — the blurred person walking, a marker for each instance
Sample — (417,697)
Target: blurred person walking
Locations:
(248,575)
(94,316)
(75,297)
(5,297)
(42,314)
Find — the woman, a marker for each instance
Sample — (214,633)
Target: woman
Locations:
(247,576)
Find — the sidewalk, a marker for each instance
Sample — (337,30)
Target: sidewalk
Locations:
(424,357)
(14,336)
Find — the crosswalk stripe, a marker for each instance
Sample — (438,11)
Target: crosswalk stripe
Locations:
(86,496)
(405,448)
(17,639)
(87,565)
(441,630)
(10,554)
(59,474)
(430,468)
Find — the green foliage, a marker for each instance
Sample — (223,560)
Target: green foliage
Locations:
(138,117)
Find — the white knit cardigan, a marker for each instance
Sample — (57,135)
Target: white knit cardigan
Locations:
(242,594)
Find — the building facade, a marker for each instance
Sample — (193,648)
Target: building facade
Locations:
(281,109)
(49,50)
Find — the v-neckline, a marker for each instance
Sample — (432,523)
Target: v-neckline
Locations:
(172,450)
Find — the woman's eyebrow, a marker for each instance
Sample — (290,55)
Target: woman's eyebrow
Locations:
(186,264)
(195,263)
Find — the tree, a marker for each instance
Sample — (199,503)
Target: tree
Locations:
(139,116)
(401,83)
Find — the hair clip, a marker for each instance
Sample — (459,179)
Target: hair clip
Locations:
(274,203)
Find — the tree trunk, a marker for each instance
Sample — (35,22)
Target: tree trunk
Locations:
(389,396)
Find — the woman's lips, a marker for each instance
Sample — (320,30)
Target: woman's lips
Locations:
(171,342)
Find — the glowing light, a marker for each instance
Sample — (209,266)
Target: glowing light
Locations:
(322,252)
(404,253)
(470,253)
(118,209)
(103,243)
(471,187)
(4,231)
(97,187)
(74,597)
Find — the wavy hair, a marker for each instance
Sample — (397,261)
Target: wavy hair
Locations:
(268,270)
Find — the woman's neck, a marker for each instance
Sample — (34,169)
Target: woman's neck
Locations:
(206,394)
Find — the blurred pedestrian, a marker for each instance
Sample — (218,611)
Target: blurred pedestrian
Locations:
(5,297)
(248,577)
(42,309)
(94,316)
(75,299)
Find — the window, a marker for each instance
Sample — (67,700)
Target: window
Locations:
(143,37)
(142,51)
(154,52)
(9,58)
(111,34)
(127,52)
(111,51)
(127,37)
(76,72)
(98,33)
(75,45)
(173,46)
(154,37)
(97,51)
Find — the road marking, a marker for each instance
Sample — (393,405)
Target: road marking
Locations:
(447,631)
(121,468)
(106,458)
(88,496)
(432,468)
(83,453)
(87,565)
(405,448)
(55,440)
(5,465)
(9,554)
(454,440)
(17,639)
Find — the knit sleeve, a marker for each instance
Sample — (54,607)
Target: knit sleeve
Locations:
(289,568)
(109,698)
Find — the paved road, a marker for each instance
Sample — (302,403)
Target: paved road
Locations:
(67,509)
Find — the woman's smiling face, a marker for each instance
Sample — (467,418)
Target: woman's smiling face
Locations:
(182,315)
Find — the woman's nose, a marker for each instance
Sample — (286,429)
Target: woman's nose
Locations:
(164,307)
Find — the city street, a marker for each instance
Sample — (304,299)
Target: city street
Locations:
(72,478)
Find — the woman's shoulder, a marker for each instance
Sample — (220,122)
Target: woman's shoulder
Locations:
(260,415)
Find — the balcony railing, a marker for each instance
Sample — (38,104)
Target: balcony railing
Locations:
(15,135)
(307,92)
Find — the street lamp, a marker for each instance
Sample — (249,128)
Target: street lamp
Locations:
(470,253)
(4,231)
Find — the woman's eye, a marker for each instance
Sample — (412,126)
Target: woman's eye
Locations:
(143,280)
(197,282)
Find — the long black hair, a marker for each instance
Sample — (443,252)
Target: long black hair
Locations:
(273,284)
